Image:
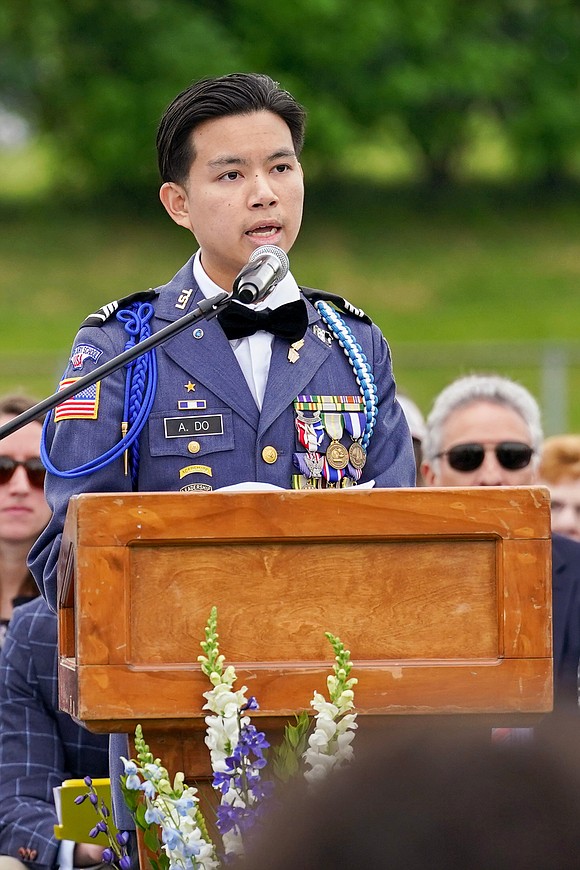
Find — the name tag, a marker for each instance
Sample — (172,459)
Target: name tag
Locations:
(185,427)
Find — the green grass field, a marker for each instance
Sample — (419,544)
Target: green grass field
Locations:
(475,280)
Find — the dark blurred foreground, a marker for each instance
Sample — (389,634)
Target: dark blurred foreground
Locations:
(436,796)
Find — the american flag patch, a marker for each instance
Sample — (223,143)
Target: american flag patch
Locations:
(83,406)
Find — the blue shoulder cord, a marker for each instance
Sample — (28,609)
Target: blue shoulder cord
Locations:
(360,365)
(140,387)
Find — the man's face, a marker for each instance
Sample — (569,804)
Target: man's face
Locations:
(565,497)
(245,189)
(485,423)
(23,509)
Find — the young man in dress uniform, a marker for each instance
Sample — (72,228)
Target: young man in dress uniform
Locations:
(302,396)
(306,400)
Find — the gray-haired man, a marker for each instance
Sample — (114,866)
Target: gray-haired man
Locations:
(485,430)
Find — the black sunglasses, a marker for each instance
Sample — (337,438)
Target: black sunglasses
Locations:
(34,469)
(511,455)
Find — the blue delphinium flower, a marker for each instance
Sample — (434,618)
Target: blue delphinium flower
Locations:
(154,816)
(184,804)
(132,781)
(147,787)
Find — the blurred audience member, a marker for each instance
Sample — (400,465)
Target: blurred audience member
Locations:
(434,798)
(560,471)
(39,748)
(416,424)
(485,430)
(23,509)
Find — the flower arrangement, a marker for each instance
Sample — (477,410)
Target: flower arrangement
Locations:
(246,770)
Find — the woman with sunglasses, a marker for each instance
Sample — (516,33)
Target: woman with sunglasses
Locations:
(23,509)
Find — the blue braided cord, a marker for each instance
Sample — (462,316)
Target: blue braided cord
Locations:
(128,318)
(136,321)
(140,416)
(360,365)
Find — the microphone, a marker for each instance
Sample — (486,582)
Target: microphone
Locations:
(265,268)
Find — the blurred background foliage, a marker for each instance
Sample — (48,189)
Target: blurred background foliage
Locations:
(442,162)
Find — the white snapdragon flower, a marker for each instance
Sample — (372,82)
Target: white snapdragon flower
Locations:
(329,745)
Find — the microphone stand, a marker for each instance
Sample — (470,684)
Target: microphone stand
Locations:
(207,309)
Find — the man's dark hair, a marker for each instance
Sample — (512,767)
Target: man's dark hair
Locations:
(234,94)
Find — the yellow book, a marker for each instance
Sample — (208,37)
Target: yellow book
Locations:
(76,820)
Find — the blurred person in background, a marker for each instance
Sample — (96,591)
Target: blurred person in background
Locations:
(432,796)
(40,747)
(560,471)
(485,430)
(416,424)
(23,509)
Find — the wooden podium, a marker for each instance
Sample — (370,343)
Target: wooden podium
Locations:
(443,597)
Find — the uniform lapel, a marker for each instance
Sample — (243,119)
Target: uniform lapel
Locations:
(209,359)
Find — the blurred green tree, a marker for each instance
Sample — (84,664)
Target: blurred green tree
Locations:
(96,74)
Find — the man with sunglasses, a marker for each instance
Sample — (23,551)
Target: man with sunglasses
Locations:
(485,430)
(23,509)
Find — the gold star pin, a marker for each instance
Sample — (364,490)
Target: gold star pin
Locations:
(189,387)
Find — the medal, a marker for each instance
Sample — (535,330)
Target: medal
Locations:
(310,431)
(357,455)
(310,465)
(314,462)
(337,455)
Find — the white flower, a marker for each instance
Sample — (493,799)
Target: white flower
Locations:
(329,744)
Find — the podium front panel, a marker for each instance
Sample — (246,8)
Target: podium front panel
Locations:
(443,597)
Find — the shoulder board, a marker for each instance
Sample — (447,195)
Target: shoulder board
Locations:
(110,309)
(339,302)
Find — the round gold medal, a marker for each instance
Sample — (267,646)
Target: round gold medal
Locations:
(337,455)
(357,455)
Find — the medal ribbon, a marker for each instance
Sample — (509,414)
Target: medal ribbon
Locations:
(310,432)
(352,472)
(354,424)
(333,425)
(328,403)
(332,475)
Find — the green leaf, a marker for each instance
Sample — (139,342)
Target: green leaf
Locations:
(151,838)
(287,756)
(139,814)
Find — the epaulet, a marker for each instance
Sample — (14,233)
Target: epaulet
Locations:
(107,311)
(338,301)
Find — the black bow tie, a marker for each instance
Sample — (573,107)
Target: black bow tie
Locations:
(288,321)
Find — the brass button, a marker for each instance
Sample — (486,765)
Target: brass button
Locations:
(269,455)
(194,446)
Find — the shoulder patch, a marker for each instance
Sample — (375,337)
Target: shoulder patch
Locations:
(110,309)
(339,302)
